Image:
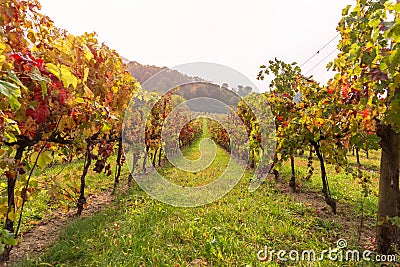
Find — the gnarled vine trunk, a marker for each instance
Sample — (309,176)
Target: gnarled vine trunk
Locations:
(325,186)
(292,182)
(388,234)
(88,161)
(119,164)
(9,224)
(130,178)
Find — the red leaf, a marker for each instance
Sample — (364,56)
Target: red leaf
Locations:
(344,91)
(38,62)
(16,56)
(366,113)
(39,114)
(62,95)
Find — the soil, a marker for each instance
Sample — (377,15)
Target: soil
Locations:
(350,226)
(42,236)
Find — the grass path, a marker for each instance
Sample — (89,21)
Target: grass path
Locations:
(137,230)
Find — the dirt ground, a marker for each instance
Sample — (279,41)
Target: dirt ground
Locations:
(43,235)
(351,226)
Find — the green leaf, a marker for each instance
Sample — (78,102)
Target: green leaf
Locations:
(9,89)
(37,76)
(14,103)
(374,23)
(383,66)
(12,92)
(12,241)
(13,76)
(393,114)
(397,7)
(396,80)
(345,11)
(355,48)
(44,88)
(10,137)
(395,221)
(394,60)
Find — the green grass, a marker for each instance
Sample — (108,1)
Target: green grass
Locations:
(140,231)
(214,170)
(346,189)
(45,200)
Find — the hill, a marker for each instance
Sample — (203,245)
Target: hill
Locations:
(163,79)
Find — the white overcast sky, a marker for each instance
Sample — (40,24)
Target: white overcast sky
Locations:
(239,34)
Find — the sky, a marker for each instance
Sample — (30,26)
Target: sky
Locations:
(242,35)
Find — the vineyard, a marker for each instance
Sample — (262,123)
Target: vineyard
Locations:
(317,163)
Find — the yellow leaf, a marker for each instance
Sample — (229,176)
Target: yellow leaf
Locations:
(45,158)
(3,208)
(85,74)
(79,100)
(88,54)
(67,77)
(106,127)
(12,216)
(54,70)
(2,47)
(88,92)
(64,74)
(66,122)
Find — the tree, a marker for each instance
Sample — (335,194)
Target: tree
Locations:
(315,119)
(55,88)
(242,90)
(369,80)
